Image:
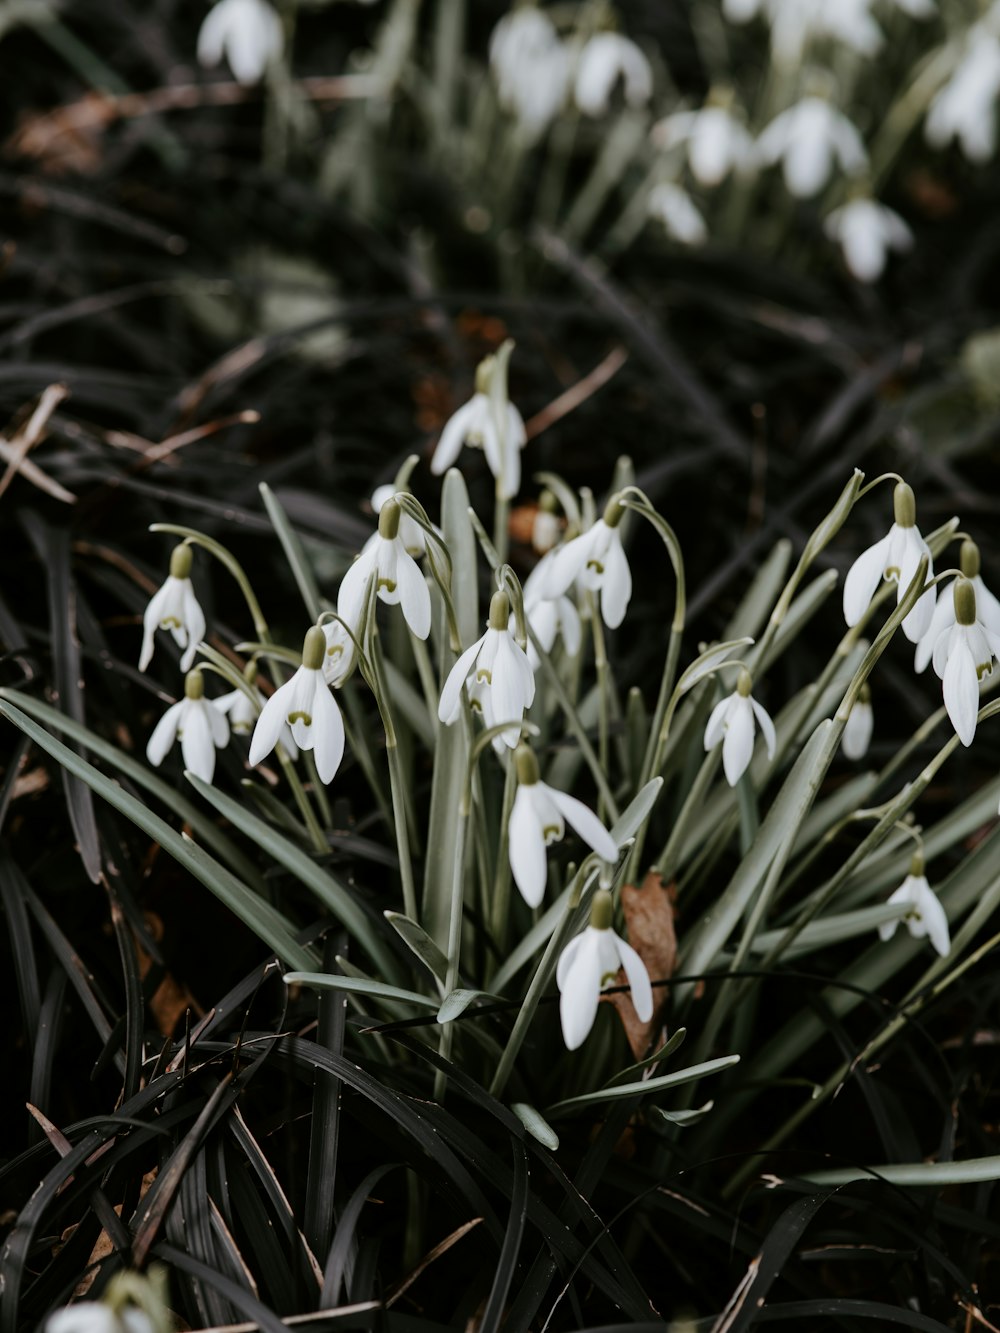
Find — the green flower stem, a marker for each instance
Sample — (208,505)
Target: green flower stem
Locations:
(316,835)
(227,558)
(426,673)
(318,789)
(603,691)
(397,786)
(501,527)
(501,875)
(455,919)
(666,862)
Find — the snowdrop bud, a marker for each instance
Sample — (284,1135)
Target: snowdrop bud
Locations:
(602,910)
(969,558)
(388,520)
(744,683)
(526,766)
(904,506)
(194,685)
(965,602)
(499,611)
(180,561)
(314,648)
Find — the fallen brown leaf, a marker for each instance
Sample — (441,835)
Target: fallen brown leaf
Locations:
(649,916)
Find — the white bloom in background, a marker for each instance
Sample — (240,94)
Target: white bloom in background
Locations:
(597,559)
(339,657)
(398,579)
(531,67)
(247,32)
(499,664)
(916,9)
(732,722)
(488,421)
(987,606)
(965,108)
(741,11)
(795,23)
(963,655)
(200,728)
(175,608)
(926,916)
(717,140)
(96,1317)
(305,705)
(859,726)
(546,527)
(539,817)
(806,139)
(895,558)
(549,616)
(242,711)
(674,207)
(410,531)
(606,58)
(588,964)
(866,230)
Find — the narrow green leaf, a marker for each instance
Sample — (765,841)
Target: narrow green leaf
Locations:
(417,939)
(645,1086)
(973,1171)
(636,812)
(688,1117)
(666,1050)
(294,552)
(536,1125)
(762,594)
(375,990)
(456,1003)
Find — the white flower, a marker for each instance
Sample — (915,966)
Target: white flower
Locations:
(963,655)
(717,141)
(964,108)
(500,666)
(794,23)
(247,32)
(926,915)
(806,139)
(916,9)
(894,558)
(597,559)
(588,964)
(410,531)
(96,1317)
(488,421)
(546,529)
(741,11)
(175,608)
(859,726)
(199,727)
(672,206)
(732,722)
(866,231)
(987,607)
(339,657)
(605,58)
(305,705)
(243,711)
(538,818)
(549,616)
(531,67)
(397,575)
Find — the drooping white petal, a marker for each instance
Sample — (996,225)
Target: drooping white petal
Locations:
(716,728)
(83,1317)
(219,723)
(273,717)
(507,696)
(566,959)
(638,980)
(586,823)
(526,848)
(452,692)
(942,620)
(327,730)
(572,630)
(916,624)
(942,648)
(212,35)
(858,731)
(933,918)
(565,567)
(196,738)
(414,595)
(351,597)
(863,578)
(151,623)
(616,586)
(581,990)
(164,734)
(456,429)
(766,725)
(737,748)
(961,689)
(194,624)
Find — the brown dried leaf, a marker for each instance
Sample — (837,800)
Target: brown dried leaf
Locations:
(649,916)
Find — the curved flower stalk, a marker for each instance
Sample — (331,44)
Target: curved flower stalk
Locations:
(895,558)
(926,917)
(859,726)
(716,139)
(175,608)
(807,139)
(549,616)
(538,818)
(965,108)
(247,32)
(866,231)
(531,67)
(606,58)
(588,964)
(674,207)
(398,579)
(597,559)
(987,606)
(242,710)
(498,669)
(732,722)
(963,655)
(488,421)
(305,705)
(200,728)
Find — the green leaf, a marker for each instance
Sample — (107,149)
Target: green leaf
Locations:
(760,597)
(667,1049)
(417,939)
(458,1001)
(636,812)
(375,990)
(263,919)
(929,1174)
(294,552)
(536,1125)
(645,1086)
(688,1117)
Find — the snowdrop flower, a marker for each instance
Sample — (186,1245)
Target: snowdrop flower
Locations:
(926,915)
(859,726)
(339,657)
(488,421)
(987,606)
(806,139)
(247,32)
(410,531)
(546,527)
(794,23)
(605,58)
(200,728)
(174,608)
(398,579)
(538,818)
(717,141)
(597,559)
(672,206)
(549,616)
(964,109)
(963,655)
(242,710)
(96,1317)
(531,67)
(588,964)
(866,230)
(305,705)
(731,721)
(497,662)
(895,558)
